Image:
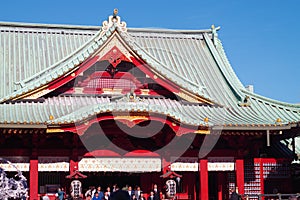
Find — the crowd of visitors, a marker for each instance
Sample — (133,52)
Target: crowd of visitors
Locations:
(114,193)
(126,192)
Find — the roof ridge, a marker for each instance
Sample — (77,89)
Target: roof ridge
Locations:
(272,101)
(95,28)
(220,63)
(175,31)
(221,50)
(43,25)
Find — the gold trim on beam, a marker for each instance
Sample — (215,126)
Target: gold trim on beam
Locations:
(187,97)
(202,132)
(145,91)
(130,118)
(54,130)
(130,121)
(193,98)
(34,93)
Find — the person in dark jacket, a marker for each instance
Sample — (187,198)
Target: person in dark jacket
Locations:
(235,195)
(120,195)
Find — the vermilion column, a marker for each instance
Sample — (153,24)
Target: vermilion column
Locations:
(261,172)
(220,186)
(203,180)
(240,181)
(34,179)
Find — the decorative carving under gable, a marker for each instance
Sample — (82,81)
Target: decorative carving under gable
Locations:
(114,48)
(114,57)
(130,97)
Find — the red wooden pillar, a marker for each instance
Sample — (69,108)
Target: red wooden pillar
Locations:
(261,172)
(195,192)
(240,180)
(220,185)
(203,179)
(34,179)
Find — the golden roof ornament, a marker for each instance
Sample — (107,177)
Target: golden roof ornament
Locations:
(206,120)
(113,21)
(245,102)
(115,13)
(278,120)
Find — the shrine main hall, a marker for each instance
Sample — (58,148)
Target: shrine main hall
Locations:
(134,105)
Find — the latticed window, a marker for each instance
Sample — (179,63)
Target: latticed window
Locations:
(112,84)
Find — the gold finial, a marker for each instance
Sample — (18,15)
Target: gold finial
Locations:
(206,120)
(278,120)
(213,27)
(115,12)
(246,100)
(51,117)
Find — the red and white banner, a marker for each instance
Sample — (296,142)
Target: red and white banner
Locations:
(119,165)
(184,167)
(221,166)
(194,167)
(53,164)
(17,163)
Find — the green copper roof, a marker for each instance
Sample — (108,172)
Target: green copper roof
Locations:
(33,55)
(182,57)
(70,109)
(26,51)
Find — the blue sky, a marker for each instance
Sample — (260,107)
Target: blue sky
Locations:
(260,37)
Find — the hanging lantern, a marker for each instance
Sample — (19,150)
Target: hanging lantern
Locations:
(170,188)
(76,189)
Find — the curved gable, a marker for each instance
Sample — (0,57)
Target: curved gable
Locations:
(112,37)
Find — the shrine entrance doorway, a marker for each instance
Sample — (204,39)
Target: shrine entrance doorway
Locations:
(144,180)
(121,179)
